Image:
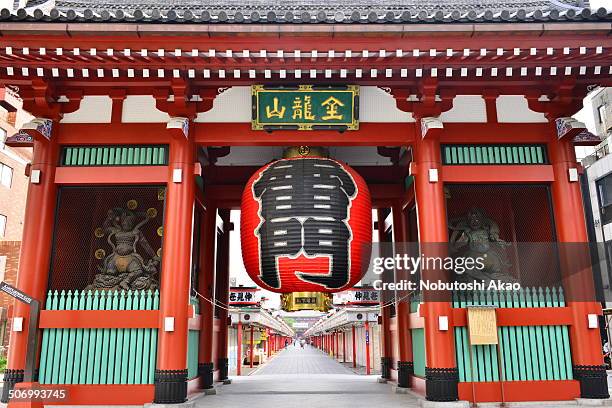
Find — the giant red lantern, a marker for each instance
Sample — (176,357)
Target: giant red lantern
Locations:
(304,225)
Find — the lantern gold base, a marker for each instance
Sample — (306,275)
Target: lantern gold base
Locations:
(305,151)
(294,301)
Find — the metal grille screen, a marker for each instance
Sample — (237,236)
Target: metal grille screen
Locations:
(104,234)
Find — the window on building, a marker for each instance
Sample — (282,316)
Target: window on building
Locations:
(6,175)
(601,113)
(2,266)
(2,138)
(604,193)
(2,225)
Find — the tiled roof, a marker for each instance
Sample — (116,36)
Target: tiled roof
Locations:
(306,11)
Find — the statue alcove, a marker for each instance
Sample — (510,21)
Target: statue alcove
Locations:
(82,245)
(524,218)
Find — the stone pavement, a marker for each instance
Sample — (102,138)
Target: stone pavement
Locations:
(306,377)
(297,360)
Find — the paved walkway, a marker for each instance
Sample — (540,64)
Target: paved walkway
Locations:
(297,360)
(306,377)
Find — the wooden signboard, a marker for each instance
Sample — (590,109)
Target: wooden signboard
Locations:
(482,325)
(305,107)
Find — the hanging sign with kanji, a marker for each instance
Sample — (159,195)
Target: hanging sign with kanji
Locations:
(305,107)
(240,296)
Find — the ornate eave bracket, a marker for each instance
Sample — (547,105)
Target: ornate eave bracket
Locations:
(431,127)
(568,128)
(178,100)
(38,129)
(178,126)
(564,101)
(20,139)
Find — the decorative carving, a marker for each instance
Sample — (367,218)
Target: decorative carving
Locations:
(125,268)
(179,123)
(205,372)
(430,126)
(477,236)
(20,139)
(568,127)
(593,381)
(385,367)
(404,370)
(441,384)
(170,386)
(39,128)
(11,377)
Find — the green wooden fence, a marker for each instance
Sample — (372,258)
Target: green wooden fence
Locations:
(128,155)
(528,353)
(419,355)
(493,154)
(193,344)
(99,356)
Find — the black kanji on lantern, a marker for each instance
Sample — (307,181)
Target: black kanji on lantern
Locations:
(304,207)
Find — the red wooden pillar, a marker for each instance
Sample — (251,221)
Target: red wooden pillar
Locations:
(206,288)
(344,346)
(171,373)
(337,345)
(385,313)
(367,346)
(251,348)
(222,294)
(405,365)
(577,278)
(441,374)
(268,343)
(239,350)
(354,341)
(35,256)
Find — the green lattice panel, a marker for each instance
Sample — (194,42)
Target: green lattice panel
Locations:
(128,155)
(494,154)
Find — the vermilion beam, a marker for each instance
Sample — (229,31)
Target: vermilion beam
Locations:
(514,391)
(241,134)
(498,174)
(112,175)
(473,133)
(96,319)
(113,133)
(104,394)
(537,316)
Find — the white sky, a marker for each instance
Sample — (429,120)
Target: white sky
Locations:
(595,4)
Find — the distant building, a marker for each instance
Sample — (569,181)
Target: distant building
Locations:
(597,185)
(13,191)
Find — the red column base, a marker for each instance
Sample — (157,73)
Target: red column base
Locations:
(22,402)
